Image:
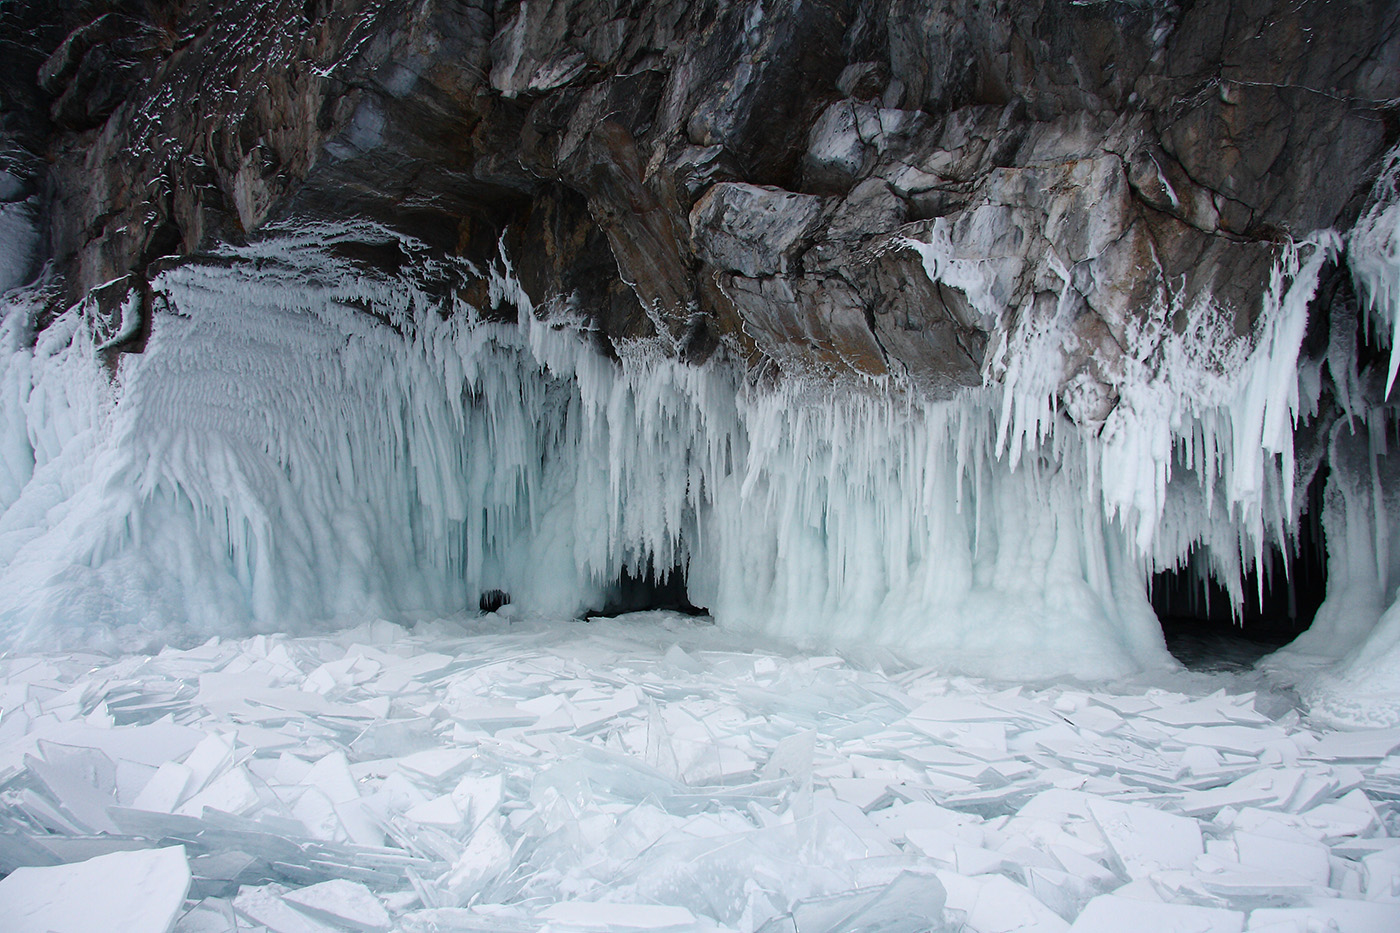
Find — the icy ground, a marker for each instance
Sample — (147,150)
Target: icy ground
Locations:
(653,772)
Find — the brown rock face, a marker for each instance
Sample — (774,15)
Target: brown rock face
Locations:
(737,175)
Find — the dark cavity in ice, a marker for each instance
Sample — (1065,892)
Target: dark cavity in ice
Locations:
(647,591)
(1206,631)
(492,600)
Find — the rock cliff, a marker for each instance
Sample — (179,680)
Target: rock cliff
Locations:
(736,175)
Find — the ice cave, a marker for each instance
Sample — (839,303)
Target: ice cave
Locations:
(722,465)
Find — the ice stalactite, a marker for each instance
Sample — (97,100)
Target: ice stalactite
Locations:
(278,458)
(871,522)
(1198,447)
(304,442)
(1374,260)
(1196,458)
(55,407)
(1359,622)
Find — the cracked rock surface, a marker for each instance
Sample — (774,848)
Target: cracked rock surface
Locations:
(741,177)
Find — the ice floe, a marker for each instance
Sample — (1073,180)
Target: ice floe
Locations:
(654,772)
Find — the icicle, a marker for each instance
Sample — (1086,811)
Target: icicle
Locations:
(279,457)
(1373,255)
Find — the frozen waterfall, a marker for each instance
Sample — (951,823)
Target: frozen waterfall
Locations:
(304,443)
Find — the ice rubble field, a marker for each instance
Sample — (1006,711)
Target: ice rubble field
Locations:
(655,772)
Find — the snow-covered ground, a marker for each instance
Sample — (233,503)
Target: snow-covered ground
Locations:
(653,772)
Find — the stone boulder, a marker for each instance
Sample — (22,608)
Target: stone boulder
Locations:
(752,230)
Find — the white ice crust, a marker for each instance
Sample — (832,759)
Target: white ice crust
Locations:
(136,892)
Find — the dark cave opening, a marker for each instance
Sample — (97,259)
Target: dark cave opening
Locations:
(493,600)
(1205,632)
(633,592)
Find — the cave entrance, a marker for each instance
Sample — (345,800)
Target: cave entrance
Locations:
(1203,630)
(646,591)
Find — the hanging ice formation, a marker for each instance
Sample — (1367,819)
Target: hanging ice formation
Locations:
(1360,621)
(302,442)
(278,457)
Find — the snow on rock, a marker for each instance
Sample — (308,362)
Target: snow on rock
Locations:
(136,892)
(727,786)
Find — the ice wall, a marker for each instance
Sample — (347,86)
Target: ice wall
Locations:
(1358,626)
(302,443)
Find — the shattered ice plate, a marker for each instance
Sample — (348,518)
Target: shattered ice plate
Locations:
(136,892)
(653,773)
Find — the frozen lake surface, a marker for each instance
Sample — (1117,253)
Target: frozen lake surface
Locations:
(653,772)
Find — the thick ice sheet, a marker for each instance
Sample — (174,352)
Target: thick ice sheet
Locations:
(141,891)
(655,772)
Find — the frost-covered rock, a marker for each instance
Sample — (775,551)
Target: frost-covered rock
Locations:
(452,121)
(751,230)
